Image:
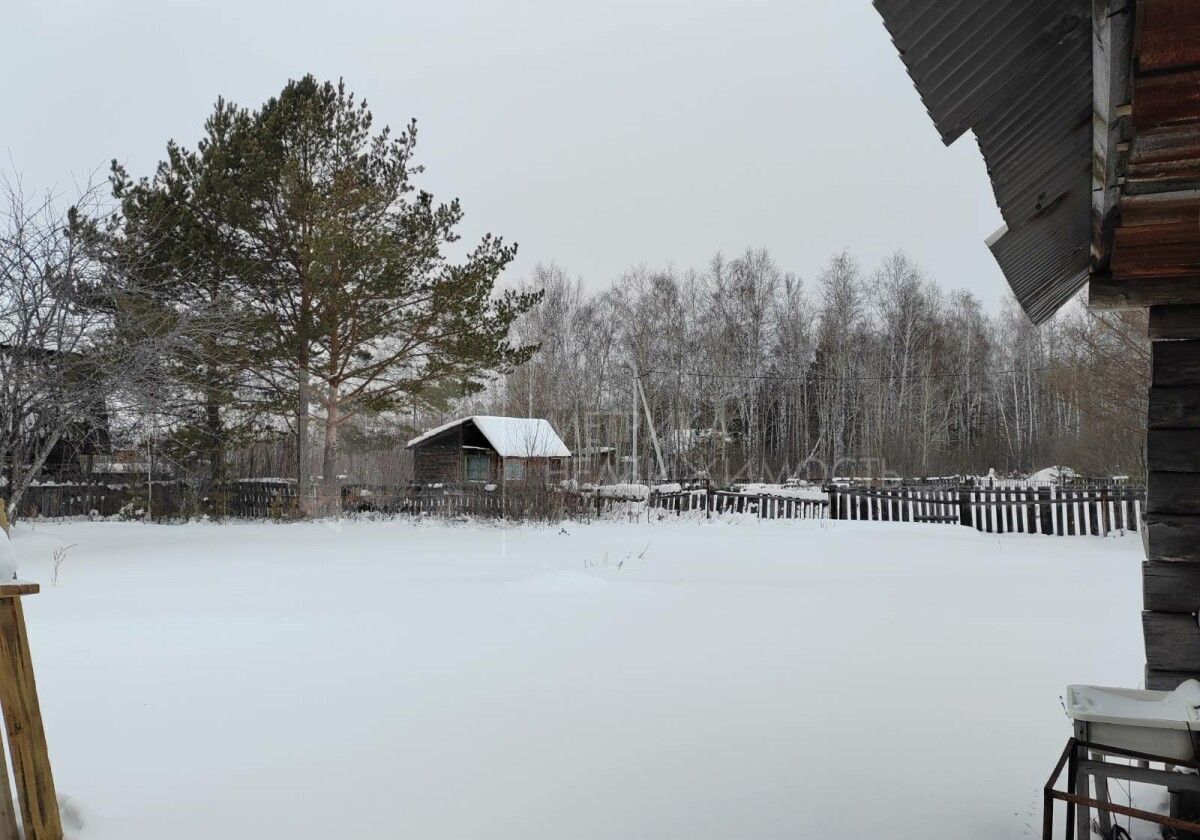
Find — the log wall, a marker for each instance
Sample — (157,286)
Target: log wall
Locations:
(1155,263)
(1171,574)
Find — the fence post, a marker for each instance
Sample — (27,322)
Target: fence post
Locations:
(1104,512)
(23,722)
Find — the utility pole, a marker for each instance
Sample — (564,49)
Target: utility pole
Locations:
(634,418)
(662,467)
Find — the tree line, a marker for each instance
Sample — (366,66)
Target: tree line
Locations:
(742,370)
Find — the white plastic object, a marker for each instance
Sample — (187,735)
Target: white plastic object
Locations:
(1155,722)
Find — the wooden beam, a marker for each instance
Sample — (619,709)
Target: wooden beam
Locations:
(1156,251)
(1174,408)
(1170,144)
(1170,35)
(1112,40)
(1171,587)
(1163,160)
(1157,236)
(1157,209)
(1169,322)
(1173,492)
(23,719)
(1171,537)
(1157,680)
(1175,363)
(1166,99)
(1107,293)
(1172,641)
(1173,450)
(8,815)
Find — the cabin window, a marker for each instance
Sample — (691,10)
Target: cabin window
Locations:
(478,464)
(514,470)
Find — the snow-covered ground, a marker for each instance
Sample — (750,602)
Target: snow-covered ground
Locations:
(777,679)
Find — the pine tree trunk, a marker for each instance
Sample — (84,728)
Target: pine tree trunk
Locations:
(303,475)
(332,484)
(216,440)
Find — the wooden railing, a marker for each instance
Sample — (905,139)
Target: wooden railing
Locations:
(26,741)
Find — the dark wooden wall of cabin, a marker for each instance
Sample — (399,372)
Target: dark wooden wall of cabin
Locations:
(1156,262)
(439,461)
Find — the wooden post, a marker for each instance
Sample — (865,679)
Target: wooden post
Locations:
(8,817)
(23,723)
(1104,523)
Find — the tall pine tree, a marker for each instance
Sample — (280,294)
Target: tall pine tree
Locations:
(182,228)
(364,309)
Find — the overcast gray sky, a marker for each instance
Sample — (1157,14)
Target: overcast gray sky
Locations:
(598,134)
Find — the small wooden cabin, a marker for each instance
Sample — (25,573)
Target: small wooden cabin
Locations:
(490,450)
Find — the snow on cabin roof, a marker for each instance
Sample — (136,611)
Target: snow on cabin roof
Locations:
(511,437)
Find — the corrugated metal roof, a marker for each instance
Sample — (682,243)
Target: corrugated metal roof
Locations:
(1019,74)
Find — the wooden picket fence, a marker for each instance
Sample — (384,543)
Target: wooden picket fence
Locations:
(762,505)
(256,499)
(516,502)
(768,506)
(1091,511)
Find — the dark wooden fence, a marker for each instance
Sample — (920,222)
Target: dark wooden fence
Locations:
(165,500)
(55,500)
(1064,511)
(517,502)
(255,500)
(1035,510)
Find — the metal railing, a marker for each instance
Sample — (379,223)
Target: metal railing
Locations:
(1103,771)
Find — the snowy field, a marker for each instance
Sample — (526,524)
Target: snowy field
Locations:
(677,680)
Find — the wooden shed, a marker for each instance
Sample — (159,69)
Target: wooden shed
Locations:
(1087,113)
(484,449)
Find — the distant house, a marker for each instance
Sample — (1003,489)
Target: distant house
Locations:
(489,450)
(83,440)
